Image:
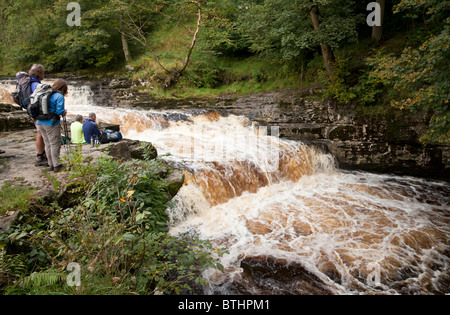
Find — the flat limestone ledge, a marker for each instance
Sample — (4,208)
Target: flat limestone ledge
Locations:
(125,149)
(401,159)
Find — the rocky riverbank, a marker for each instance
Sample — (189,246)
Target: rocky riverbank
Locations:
(17,166)
(384,141)
(13,118)
(18,160)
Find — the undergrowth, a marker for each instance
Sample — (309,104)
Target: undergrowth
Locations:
(15,196)
(110,221)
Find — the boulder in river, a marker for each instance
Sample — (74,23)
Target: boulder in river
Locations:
(131,149)
(174,182)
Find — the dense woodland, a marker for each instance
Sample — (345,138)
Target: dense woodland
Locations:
(219,46)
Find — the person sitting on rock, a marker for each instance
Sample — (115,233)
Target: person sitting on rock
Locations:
(90,129)
(76,130)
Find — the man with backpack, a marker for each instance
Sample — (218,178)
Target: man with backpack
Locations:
(26,85)
(37,73)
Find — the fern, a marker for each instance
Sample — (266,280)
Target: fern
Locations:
(45,278)
(14,264)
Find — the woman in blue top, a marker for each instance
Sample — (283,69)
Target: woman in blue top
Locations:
(51,129)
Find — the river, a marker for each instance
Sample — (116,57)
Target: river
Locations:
(292,221)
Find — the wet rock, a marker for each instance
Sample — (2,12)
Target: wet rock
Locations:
(7,108)
(174,182)
(8,219)
(131,149)
(268,275)
(120,83)
(13,118)
(381,142)
(105,126)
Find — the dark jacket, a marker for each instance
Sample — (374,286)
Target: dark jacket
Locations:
(34,83)
(90,129)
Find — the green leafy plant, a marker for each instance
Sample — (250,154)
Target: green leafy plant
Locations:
(116,230)
(15,196)
(421,77)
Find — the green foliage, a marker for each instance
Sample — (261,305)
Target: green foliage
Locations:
(37,32)
(284,28)
(14,265)
(205,75)
(221,34)
(15,197)
(414,79)
(46,278)
(354,85)
(116,230)
(338,88)
(421,78)
(431,11)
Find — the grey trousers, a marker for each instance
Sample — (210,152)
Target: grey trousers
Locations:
(52,140)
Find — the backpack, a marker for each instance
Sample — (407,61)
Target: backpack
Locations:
(38,106)
(109,136)
(23,89)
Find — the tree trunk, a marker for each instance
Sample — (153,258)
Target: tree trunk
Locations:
(126,51)
(326,51)
(194,39)
(4,14)
(377,31)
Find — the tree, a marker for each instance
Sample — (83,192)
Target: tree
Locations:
(326,51)
(289,29)
(133,26)
(135,20)
(5,11)
(126,50)
(420,76)
(37,31)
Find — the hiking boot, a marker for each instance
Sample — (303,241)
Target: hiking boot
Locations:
(59,168)
(41,160)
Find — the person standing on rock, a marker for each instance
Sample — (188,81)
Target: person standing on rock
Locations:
(37,73)
(51,129)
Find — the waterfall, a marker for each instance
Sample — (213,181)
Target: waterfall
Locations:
(293,223)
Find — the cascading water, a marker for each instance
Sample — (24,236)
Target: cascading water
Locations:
(292,222)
